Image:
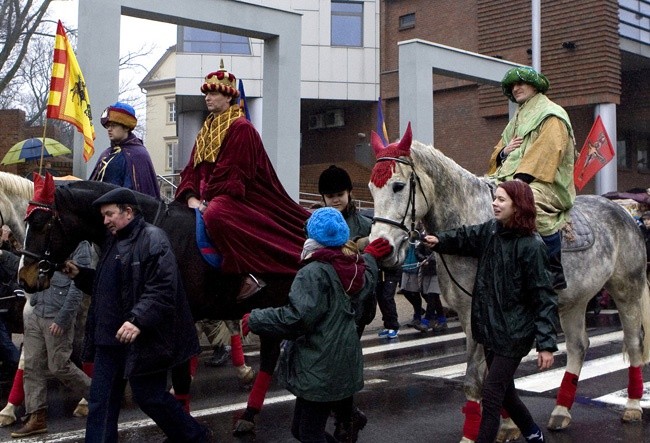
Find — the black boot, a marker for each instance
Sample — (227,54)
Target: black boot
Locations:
(554,250)
(349,432)
(220,356)
(557,271)
(249,286)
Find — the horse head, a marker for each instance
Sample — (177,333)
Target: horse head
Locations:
(399,199)
(44,248)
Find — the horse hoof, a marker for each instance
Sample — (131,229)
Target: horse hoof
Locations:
(243,427)
(81,410)
(248,377)
(631,415)
(7,420)
(508,431)
(558,422)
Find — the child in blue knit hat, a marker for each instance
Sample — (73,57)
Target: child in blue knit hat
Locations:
(325,364)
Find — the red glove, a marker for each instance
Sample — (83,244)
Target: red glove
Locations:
(244,325)
(378,248)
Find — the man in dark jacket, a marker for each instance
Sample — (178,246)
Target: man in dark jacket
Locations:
(145,327)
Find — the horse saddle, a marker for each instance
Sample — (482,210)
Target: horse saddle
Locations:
(577,234)
(207,249)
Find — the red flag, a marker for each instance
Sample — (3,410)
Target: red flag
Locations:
(595,154)
(68,99)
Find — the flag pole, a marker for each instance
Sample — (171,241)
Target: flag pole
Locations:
(40,164)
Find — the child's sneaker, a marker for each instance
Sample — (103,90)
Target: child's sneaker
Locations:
(413,322)
(439,325)
(424,326)
(388,333)
(535,437)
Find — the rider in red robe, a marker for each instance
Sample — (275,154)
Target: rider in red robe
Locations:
(249,216)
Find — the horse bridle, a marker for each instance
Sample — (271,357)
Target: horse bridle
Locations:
(45,265)
(413,234)
(414,181)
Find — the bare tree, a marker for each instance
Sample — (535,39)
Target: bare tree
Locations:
(19,22)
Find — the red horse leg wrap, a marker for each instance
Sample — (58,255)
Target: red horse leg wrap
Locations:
(88,368)
(472,411)
(17,393)
(504,414)
(184,400)
(260,387)
(194,363)
(635,383)
(567,393)
(237,352)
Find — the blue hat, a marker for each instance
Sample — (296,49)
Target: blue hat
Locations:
(327,226)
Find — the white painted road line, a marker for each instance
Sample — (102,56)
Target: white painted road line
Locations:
(619,398)
(458,370)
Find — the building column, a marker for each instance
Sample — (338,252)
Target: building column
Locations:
(606,178)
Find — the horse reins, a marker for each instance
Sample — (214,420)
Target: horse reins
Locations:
(413,234)
(414,181)
(44,263)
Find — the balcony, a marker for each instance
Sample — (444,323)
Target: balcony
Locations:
(634,20)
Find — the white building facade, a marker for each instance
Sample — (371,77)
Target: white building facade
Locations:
(339,82)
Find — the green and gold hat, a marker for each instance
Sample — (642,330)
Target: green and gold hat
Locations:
(524,74)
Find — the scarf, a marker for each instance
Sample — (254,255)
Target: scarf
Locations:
(350,268)
(208,141)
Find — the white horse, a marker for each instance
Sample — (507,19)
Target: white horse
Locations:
(16,193)
(413,182)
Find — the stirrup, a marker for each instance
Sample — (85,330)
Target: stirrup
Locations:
(249,286)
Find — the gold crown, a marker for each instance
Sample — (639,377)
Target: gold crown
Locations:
(221,81)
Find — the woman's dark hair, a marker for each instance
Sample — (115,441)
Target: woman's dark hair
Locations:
(523,219)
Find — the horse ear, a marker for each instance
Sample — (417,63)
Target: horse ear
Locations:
(44,189)
(376,143)
(405,143)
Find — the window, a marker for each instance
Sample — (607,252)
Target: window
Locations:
(407,21)
(171,112)
(621,154)
(642,155)
(204,41)
(170,151)
(347,23)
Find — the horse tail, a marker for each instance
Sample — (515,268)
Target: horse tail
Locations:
(645,321)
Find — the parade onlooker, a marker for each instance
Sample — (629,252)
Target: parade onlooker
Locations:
(139,325)
(645,229)
(538,147)
(325,364)
(48,340)
(9,353)
(126,162)
(513,302)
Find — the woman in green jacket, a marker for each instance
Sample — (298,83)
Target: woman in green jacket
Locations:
(326,363)
(513,303)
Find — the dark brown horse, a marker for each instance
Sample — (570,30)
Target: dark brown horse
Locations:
(53,233)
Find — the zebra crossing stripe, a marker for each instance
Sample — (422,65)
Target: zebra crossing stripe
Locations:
(619,398)
(458,370)
(549,380)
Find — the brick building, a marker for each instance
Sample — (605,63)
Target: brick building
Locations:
(593,52)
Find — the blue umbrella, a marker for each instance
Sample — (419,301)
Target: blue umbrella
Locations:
(30,149)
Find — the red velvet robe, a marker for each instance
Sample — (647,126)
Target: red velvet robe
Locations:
(250,218)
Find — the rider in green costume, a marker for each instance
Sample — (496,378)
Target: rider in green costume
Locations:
(538,147)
